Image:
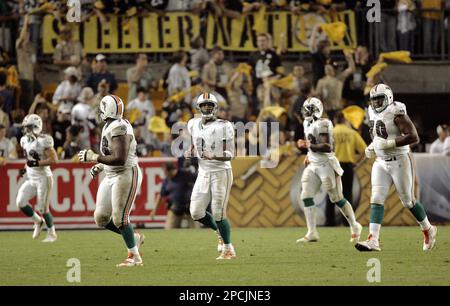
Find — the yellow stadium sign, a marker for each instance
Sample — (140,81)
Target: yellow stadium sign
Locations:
(239,35)
(153,33)
(173,31)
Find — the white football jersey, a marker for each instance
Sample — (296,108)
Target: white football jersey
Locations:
(312,131)
(384,127)
(7,148)
(34,148)
(210,138)
(118,127)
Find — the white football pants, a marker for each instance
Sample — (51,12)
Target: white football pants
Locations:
(41,189)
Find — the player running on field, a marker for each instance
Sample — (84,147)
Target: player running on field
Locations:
(117,191)
(323,169)
(392,132)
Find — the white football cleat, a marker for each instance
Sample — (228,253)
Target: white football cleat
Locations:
(227,253)
(356,233)
(38,227)
(220,245)
(139,239)
(51,237)
(131,261)
(429,238)
(309,237)
(369,245)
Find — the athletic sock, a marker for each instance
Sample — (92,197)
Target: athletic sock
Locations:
(421,216)
(48,219)
(374,230)
(128,236)
(134,250)
(225,230)
(29,212)
(310,214)
(208,221)
(112,227)
(347,211)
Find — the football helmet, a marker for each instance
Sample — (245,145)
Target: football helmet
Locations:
(111,106)
(32,124)
(312,109)
(380,97)
(207,98)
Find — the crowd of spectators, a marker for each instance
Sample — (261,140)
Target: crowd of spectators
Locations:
(263,88)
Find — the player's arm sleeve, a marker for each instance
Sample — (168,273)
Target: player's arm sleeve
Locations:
(119,130)
(228,140)
(47,142)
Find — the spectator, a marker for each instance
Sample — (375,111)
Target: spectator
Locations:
(7,147)
(68,52)
(264,62)
(6,94)
(71,145)
(139,76)
(224,112)
(198,54)
(143,149)
(438,146)
(295,112)
(69,89)
(43,109)
(60,126)
(26,59)
(387,25)
(320,53)
(31,7)
(145,109)
(406,24)
(347,144)
(235,8)
(4,117)
(102,90)
(177,188)
(179,5)
(15,131)
(216,73)
(160,137)
(239,94)
(329,88)
(101,73)
(354,85)
(298,72)
(83,115)
(431,20)
(178,78)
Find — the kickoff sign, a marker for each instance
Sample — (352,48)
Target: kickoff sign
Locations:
(72,199)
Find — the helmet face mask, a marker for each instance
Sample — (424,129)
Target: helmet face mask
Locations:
(312,109)
(207,105)
(379,103)
(380,97)
(32,124)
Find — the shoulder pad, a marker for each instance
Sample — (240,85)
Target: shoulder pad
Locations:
(398,108)
(46,141)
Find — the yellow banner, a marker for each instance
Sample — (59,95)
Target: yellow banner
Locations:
(168,33)
(173,31)
(238,34)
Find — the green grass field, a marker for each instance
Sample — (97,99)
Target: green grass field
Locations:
(187,257)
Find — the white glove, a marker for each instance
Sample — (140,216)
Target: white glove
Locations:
(95,170)
(87,156)
(384,144)
(370,151)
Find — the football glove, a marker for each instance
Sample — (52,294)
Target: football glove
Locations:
(22,172)
(95,170)
(87,156)
(384,144)
(32,163)
(370,152)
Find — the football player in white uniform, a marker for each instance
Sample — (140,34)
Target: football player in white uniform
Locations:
(213,144)
(117,191)
(392,132)
(323,169)
(40,155)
